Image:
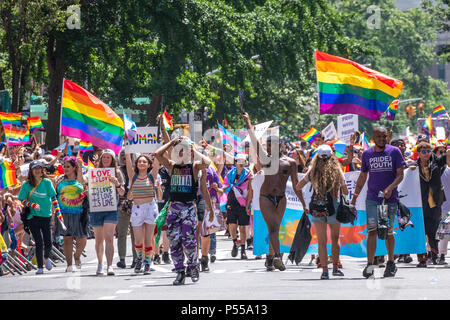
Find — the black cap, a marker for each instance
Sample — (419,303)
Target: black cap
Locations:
(36,163)
(422,137)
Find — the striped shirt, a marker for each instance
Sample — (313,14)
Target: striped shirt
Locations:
(143,188)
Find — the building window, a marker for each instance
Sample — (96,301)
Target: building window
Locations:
(441,71)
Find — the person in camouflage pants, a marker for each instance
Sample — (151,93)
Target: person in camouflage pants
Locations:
(181,223)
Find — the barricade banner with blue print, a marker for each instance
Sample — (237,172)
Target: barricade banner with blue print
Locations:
(352,238)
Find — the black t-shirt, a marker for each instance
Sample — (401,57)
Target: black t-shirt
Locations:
(165,184)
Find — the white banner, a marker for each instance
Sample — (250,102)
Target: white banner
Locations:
(346,125)
(259,130)
(102,193)
(146,141)
(330,132)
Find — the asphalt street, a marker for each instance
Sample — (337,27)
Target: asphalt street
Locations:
(230,279)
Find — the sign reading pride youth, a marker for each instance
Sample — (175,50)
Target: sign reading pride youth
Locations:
(146,141)
(352,238)
(102,192)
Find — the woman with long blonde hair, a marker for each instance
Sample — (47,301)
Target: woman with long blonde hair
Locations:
(327,179)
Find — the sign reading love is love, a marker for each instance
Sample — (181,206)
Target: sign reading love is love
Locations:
(102,192)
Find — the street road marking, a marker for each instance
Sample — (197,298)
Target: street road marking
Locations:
(123,291)
(107,298)
(160,269)
(220,271)
(147,281)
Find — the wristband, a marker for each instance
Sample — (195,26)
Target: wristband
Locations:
(356,194)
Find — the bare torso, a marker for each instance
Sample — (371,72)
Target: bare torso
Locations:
(276,184)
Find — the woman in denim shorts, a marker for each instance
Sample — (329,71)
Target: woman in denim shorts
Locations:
(327,179)
(104,222)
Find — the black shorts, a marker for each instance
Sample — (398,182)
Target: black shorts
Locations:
(237,214)
(200,203)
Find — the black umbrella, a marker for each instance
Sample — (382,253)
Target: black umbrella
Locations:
(301,241)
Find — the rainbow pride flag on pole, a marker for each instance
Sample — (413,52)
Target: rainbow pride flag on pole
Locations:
(34,123)
(86,117)
(310,135)
(7,174)
(167,121)
(439,112)
(428,126)
(392,110)
(86,146)
(9,118)
(17,135)
(228,137)
(348,87)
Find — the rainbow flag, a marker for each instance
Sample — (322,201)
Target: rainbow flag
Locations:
(86,146)
(17,135)
(310,135)
(9,118)
(90,164)
(167,121)
(392,110)
(428,126)
(34,123)
(7,174)
(84,116)
(228,137)
(439,112)
(339,149)
(348,87)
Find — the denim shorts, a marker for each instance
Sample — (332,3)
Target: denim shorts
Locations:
(372,220)
(328,219)
(97,219)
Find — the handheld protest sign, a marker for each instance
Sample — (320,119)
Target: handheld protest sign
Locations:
(102,192)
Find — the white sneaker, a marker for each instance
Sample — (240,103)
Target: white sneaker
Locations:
(48,264)
(100,270)
(69,269)
(110,271)
(40,271)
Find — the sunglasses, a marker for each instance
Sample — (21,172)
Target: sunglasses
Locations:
(425,151)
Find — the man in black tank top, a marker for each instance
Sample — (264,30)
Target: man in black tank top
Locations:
(183,168)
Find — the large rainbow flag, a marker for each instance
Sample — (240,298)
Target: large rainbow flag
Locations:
(86,117)
(7,174)
(348,87)
(439,112)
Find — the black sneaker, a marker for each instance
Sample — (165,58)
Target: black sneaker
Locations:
(234,251)
(133,264)
(195,275)
(250,243)
(165,258)
(368,271)
(188,272)
(121,264)
(324,276)
(157,259)
(212,257)
(147,268)
(181,276)
(390,270)
(401,259)
(278,263)
(442,260)
(258,257)
(338,273)
(422,264)
(138,267)
(408,259)
(269,264)
(243,254)
(204,264)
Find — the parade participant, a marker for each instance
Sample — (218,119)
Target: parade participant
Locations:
(104,222)
(183,168)
(327,180)
(443,244)
(124,219)
(165,187)
(272,197)
(38,193)
(384,164)
(300,159)
(237,186)
(431,168)
(145,210)
(70,189)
